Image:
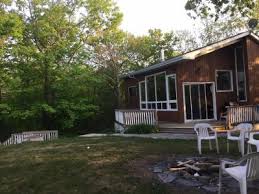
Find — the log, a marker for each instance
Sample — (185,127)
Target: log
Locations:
(189,166)
(177,169)
(187,162)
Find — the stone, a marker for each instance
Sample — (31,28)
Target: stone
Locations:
(188,183)
(167,177)
(210,189)
(157,169)
(160,167)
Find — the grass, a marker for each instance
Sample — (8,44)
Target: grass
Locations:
(90,165)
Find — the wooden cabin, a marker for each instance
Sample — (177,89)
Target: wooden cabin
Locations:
(196,86)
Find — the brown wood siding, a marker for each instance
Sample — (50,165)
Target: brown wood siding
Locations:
(203,69)
(253,70)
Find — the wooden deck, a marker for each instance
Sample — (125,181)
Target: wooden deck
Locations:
(187,128)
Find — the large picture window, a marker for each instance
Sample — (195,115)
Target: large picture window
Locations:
(158,92)
(240,74)
(142,95)
(172,92)
(224,81)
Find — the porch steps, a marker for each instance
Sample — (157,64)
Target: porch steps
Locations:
(180,128)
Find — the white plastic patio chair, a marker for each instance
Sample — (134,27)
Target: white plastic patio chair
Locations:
(243,130)
(253,141)
(243,170)
(202,131)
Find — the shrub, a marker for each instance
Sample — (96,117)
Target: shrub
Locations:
(142,129)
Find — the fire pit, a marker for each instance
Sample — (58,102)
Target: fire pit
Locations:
(198,172)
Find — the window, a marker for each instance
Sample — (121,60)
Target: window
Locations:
(172,94)
(240,74)
(132,91)
(224,81)
(158,92)
(142,95)
(151,94)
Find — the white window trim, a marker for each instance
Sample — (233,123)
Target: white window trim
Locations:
(231,80)
(142,102)
(167,93)
(214,102)
(167,101)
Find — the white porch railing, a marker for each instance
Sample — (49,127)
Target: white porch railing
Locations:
(135,117)
(242,114)
(18,138)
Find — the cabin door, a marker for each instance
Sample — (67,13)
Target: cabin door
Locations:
(199,101)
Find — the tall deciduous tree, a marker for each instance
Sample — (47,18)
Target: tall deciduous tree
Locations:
(55,42)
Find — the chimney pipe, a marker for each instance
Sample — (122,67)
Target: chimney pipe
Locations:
(162,55)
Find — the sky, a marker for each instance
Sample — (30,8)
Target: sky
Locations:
(142,15)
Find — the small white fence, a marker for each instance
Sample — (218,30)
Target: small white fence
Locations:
(18,138)
(242,114)
(124,118)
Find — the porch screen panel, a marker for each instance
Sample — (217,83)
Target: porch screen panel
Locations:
(240,71)
(188,102)
(160,87)
(203,102)
(195,101)
(172,94)
(151,88)
(209,99)
(142,91)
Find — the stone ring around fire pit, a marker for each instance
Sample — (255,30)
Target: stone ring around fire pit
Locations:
(198,172)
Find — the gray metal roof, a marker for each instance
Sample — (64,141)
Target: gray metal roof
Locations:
(193,54)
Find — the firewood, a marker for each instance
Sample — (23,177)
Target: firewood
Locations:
(187,162)
(177,169)
(189,166)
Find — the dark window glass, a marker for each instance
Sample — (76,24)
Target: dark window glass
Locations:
(143,91)
(172,88)
(195,101)
(160,87)
(133,91)
(173,105)
(188,102)
(224,81)
(143,106)
(203,102)
(240,68)
(209,98)
(151,89)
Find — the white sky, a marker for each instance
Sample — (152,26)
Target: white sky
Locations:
(142,15)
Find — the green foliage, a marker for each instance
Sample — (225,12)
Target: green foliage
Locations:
(142,129)
(215,8)
(46,72)
(60,63)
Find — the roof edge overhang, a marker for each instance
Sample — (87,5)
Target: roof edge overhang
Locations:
(192,55)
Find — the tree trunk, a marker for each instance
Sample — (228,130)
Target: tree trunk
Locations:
(46,94)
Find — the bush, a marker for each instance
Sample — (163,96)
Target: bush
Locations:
(142,129)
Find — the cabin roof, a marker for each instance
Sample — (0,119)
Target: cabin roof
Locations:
(194,54)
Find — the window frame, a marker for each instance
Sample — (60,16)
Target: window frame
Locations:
(140,92)
(129,91)
(231,80)
(151,103)
(167,93)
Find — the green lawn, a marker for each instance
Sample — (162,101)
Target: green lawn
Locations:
(110,165)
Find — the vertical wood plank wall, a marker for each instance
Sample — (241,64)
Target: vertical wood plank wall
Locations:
(253,70)
(203,69)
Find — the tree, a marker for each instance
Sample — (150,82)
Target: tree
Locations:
(222,19)
(216,8)
(213,31)
(55,42)
(187,41)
